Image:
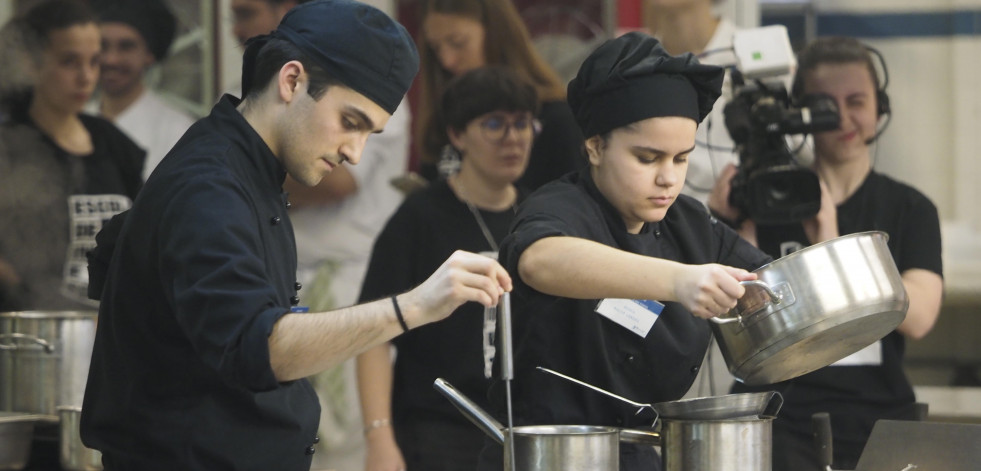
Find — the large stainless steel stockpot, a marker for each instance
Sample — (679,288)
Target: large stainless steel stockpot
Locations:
(812,308)
(16,430)
(44,359)
(73,455)
(711,445)
(743,444)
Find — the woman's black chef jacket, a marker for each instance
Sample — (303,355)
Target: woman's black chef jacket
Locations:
(203,267)
(566,335)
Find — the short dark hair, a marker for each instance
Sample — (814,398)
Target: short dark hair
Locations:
(831,50)
(482,90)
(24,40)
(51,15)
(271,57)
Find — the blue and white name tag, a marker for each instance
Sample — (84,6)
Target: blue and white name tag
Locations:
(300,309)
(637,315)
(868,356)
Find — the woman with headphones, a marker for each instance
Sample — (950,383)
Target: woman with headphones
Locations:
(871,384)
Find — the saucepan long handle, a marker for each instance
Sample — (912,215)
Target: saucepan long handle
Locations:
(472,411)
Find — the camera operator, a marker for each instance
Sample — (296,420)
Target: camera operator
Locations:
(869,385)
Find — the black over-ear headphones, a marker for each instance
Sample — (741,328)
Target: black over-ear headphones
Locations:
(881,97)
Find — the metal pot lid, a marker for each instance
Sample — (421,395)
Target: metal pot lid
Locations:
(730,406)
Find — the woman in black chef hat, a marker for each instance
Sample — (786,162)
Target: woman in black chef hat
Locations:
(615,270)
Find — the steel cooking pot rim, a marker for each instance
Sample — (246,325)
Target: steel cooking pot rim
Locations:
(560,429)
(809,248)
(12,417)
(745,406)
(73,314)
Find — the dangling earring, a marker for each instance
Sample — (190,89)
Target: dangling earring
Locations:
(449,161)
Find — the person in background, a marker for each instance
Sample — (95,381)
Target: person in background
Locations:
(871,384)
(335,224)
(61,172)
(583,248)
(692,26)
(254,17)
(136,35)
(489,117)
(203,344)
(461,35)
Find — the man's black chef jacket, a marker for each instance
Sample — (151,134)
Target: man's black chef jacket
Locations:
(566,334)
(203,267)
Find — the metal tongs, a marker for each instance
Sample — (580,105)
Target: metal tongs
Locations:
(507,370)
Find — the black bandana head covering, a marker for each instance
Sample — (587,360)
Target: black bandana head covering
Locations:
(151,18)
(632,78)
(357,44)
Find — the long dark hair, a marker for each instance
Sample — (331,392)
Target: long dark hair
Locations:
(506,43)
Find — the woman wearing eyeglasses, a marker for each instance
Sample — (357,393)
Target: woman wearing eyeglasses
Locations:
(456,36)
(488,116)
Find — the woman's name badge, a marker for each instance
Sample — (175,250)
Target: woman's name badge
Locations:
(637,315)
(868,356)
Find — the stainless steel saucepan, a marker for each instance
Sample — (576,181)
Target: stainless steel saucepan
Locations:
(813,307)
(544,447)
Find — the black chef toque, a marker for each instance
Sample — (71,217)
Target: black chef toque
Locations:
(632,78)
(357,44)
(151,18)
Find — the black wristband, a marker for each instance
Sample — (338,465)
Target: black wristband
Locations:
(398,315)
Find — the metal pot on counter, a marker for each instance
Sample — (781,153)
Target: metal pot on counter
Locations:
(707,434)
(44,359)
(545,447)
(73,455)
(16,429)
(813,307)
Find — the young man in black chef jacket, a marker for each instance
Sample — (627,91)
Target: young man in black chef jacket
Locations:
(202,341)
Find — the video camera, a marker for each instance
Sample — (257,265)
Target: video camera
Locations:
(771,187)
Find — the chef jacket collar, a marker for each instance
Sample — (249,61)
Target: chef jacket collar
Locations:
(259,154)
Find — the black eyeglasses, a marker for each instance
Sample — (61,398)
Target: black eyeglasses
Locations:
(495,128)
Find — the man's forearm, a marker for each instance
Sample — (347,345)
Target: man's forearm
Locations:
(308,343)
(303,344)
